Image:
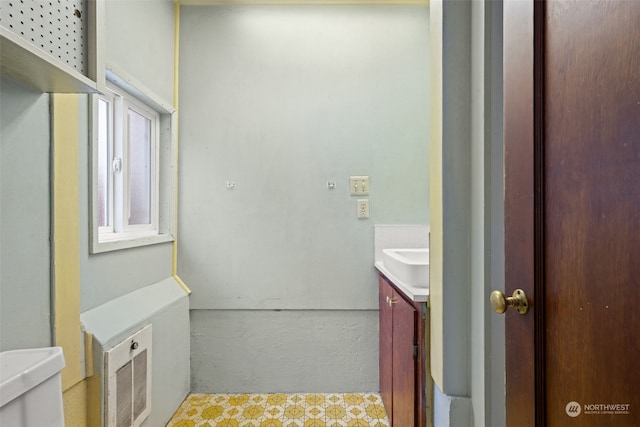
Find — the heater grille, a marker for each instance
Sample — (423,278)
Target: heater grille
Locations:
(128,385)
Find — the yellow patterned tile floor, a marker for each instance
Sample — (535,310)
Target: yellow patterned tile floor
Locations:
(281,410)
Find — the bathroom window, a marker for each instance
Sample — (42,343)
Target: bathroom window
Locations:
(126,171)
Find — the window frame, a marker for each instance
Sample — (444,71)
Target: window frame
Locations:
(124,93)
(108,99)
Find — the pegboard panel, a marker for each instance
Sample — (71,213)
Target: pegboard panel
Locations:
(57,27)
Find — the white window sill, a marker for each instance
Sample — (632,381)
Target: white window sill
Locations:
(116,242)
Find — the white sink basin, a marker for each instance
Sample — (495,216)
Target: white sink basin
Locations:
(410,266)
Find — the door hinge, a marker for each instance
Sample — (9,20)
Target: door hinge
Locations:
(415,350)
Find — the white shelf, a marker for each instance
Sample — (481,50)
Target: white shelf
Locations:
(24,62)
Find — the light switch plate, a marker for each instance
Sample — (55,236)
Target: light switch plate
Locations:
(359,185)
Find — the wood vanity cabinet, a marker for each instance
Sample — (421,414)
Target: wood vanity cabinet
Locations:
(403,357)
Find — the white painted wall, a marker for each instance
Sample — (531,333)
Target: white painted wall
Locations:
(282,100)
(24,217)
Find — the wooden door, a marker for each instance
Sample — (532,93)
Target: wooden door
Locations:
(572,211)
(404,362)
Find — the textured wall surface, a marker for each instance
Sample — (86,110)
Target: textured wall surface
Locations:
(236,351)
(24,217)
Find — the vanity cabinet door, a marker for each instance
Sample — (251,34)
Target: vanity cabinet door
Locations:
(404,362)
(386,346)
(397,357)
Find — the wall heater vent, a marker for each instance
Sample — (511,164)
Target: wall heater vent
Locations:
(128,385)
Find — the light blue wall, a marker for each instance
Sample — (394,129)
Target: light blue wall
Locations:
(24,217)
(282,100)
(139,40)
(125,287)
(165,306)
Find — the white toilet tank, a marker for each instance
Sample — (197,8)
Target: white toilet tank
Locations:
(31,388)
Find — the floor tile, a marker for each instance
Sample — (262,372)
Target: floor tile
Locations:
(281,410)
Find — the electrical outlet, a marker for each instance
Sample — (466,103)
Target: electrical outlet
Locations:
(359,185)
(363,208)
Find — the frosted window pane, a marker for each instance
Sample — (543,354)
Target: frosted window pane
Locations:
(104,158)
(139,169)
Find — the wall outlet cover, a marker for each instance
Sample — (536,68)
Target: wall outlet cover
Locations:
(363,208)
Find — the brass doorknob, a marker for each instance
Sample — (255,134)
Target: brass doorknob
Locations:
(518,301)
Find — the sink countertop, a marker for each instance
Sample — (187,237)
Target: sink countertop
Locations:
(413,293)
